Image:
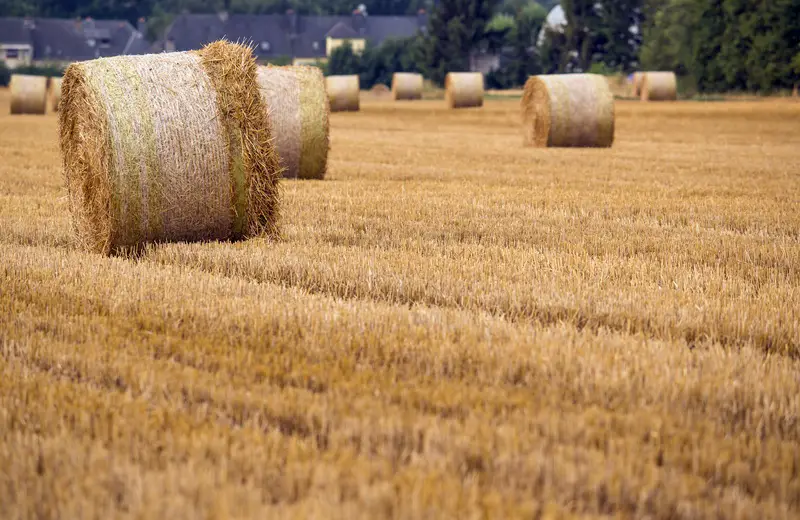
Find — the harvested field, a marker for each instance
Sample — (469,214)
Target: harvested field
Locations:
(451,325)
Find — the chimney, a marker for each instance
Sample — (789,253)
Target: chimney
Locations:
(359,21)
(141,26)
(422,20)
(291,19)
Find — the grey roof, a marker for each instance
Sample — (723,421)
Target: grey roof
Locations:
(12,30)
(192,31)
(74,40)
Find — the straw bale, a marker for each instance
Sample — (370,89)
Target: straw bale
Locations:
(298,117)
(28,94)
(406,86)
(636,84)
(55,93)
(659,86)
(167,147)
(343,93)
(379,89)
(464,89)
(568,110)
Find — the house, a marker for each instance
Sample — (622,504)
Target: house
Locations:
(51,40)
(302,39)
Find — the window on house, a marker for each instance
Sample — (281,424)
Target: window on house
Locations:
(105,42)
(12,54)
(265,46)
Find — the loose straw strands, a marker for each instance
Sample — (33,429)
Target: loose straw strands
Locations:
(168,147)
(343,93)
(298,117)
(28,94)
(568,110)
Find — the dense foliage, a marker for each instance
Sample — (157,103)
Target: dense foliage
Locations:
(713,45)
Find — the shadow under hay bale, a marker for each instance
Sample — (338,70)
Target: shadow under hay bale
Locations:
(298,116)
(659,86)
(406,86)
(464,89)
(568,110)
(168,147)
(55,93)
(343,93)
(28,94)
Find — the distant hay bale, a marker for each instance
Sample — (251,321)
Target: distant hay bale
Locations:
(636,84)
(568,110)
(379,89)
(343,93)
(28,94)
(168,147)
(298,117)
(406,86)
(55,93)
(659,86)
(464,89)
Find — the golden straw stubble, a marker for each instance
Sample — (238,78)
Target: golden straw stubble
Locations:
(145,162)
(568,110)
(28,94)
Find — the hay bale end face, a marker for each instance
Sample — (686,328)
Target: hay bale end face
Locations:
(568,110)
(406,86)
(464,89)
(636,84)
(167,147)
(343,93)
(298,118)
(28,94)
(55,93)
(659,86)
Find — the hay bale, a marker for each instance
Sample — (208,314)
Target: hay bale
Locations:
(464,89)
(55,93)
(379,89)
(168,147)
(636,84)
(298,117)
(406,86)
(343,93)
(659,86)
(28,94)
(568,110)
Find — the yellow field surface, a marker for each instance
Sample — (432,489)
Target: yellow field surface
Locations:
(452,326)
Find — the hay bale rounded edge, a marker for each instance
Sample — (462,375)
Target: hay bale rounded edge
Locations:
(406,86)
(55,93)
(659,86)
(464,89)
(28,94)
(298,117)
(168,147)
(343,93)
(565,110)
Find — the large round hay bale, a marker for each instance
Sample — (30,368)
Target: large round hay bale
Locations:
(55,93)
(168,147)
(298,117)
(28,94)
(343,93)
(659,86)
(464,89)
(568,110)
(406,86)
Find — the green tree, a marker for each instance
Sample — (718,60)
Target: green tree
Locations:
(344,61)
(520,58)
(456,29)
(619,33)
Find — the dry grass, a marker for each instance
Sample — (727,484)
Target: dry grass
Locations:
(451,326)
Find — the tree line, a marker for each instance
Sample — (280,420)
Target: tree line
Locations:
(713,45)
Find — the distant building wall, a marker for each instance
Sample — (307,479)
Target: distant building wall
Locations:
(358,44)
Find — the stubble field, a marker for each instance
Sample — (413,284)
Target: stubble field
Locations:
(452,326)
